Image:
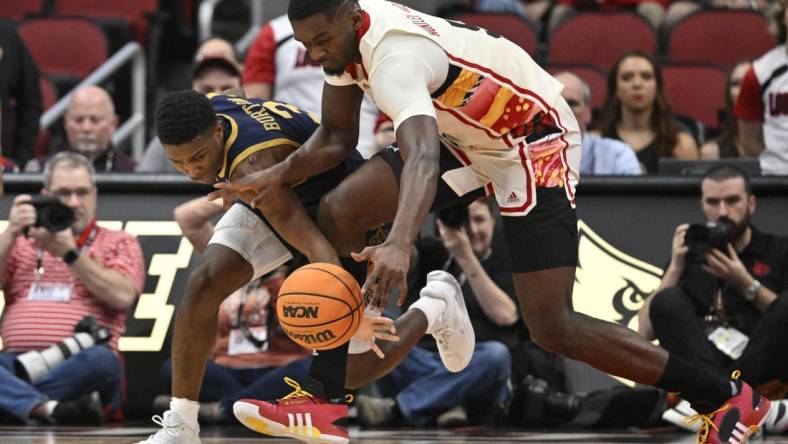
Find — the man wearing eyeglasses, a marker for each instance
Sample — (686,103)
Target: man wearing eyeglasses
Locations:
(53,280)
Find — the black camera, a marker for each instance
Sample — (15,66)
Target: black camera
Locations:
(701,238)
(455,216)
(51,213)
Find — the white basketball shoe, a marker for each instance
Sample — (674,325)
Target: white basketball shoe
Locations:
(453,330)
(174,430)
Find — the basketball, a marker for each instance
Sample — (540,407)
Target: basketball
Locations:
(320,306)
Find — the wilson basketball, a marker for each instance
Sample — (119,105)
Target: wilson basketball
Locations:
(320,306)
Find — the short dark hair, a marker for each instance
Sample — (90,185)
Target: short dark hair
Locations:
(182,116)
(303,9)
(725,171)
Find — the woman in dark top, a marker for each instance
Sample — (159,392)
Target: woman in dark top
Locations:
(636,111)
(726,144)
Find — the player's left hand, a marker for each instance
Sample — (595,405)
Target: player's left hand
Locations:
(390,264)
(728,268)
(376,327)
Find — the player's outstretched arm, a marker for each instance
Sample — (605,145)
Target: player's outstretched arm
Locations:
(331,143)
(284,211)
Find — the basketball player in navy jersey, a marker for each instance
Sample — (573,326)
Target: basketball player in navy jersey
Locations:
(222,137)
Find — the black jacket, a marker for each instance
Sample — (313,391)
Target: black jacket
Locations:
(18,85)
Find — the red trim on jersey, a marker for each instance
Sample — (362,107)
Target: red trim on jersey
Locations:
(500,79)
(750,106)
(465,120)
(260,66)
(528,195)
(366,22)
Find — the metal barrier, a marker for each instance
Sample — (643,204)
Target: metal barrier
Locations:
(205,21)
(134,127)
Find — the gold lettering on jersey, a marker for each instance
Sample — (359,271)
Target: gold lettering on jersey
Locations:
(260,113)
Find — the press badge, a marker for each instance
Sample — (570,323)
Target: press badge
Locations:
(241,345)
(50,292)
(729,341)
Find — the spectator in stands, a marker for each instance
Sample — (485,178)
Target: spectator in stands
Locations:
(637,112)
(727,143)
(20,97)
(279,68)
(215,70)
(56,280)
(600,155)
(90,123)
(651,10)
(724,305)
(420,390)
(762,108)
(535,11)
(680,9)
(252,354)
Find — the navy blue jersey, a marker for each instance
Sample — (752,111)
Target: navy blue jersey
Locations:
(252,125)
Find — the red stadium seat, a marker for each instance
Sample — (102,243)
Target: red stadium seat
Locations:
(596,79)
(600,38)
(133,11)
(19,9)
(65,47)
(721,37)
(510,26)
(697,91)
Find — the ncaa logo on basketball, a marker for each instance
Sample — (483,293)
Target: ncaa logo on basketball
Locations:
(300,311)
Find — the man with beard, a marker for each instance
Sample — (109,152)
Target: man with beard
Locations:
(725,308)
(90,122)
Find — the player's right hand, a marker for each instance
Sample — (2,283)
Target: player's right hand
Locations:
(258,181)
(22,214)
(376,327)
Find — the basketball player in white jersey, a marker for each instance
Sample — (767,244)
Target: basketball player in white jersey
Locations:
(472,112)
(762,107)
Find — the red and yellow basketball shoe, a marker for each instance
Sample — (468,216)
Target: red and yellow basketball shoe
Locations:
(299,415)
(737,419)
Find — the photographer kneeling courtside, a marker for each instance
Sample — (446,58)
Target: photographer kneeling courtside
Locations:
(67,284)
(723,300)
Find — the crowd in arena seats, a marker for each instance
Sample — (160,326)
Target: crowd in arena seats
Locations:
(634,126)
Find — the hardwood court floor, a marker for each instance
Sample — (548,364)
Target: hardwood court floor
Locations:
(230,435)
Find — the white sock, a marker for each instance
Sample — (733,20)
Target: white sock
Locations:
(49,407)
(186,409)
(432,309)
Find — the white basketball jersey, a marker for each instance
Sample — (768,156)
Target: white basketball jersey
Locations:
(299,80)
(497,106)
(772,72)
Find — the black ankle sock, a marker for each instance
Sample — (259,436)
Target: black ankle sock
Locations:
(705,390)
(327,374)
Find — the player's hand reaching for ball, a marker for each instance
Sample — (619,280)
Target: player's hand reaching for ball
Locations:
(258,182)
(376,327)
(390,265)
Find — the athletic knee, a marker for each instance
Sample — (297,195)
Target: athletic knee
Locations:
(204,294)
(336,215)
